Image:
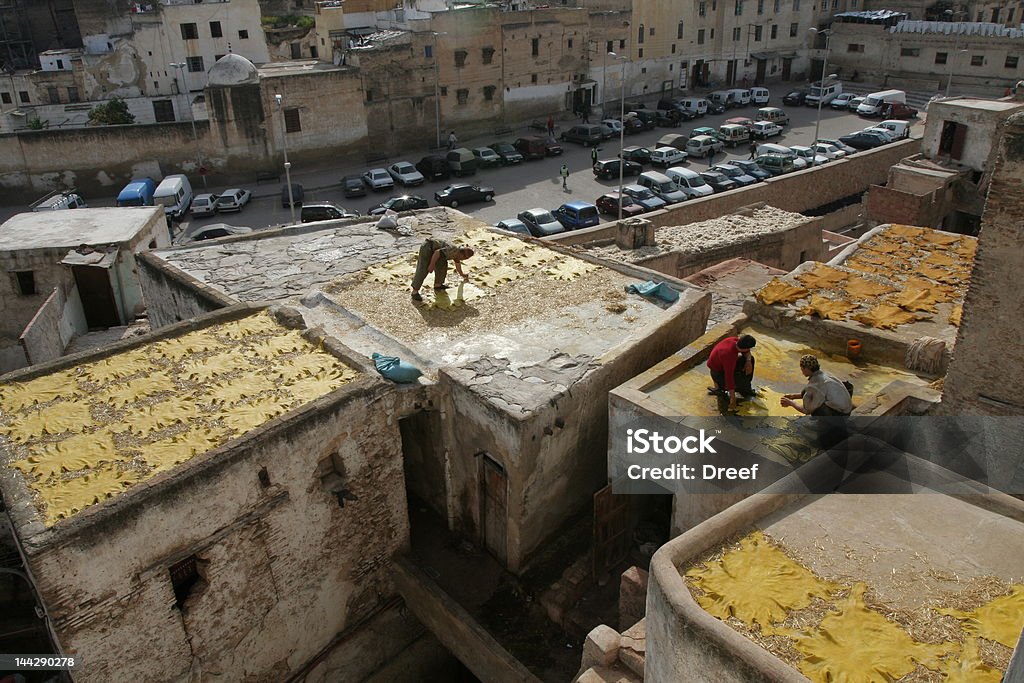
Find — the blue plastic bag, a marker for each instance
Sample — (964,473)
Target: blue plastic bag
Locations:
(395,369)
(654,289)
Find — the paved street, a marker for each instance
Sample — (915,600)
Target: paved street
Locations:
(528,185)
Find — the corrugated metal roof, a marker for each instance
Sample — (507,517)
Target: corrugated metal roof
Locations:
(963,28)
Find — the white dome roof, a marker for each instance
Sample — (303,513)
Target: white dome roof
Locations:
(232,69)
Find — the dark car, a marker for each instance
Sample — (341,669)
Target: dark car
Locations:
(735,173)
(795,97)
(577,215)
(718,182)
(587,134)
(295,197)
(433,167)
(633,125)
(325,212)
(609,168)
(649,118)
(669,118)
(898,110)
(508,153)
(609,204)
(407,202)
(862,140)
(751,169)
(715,107)
(640,155)
(531,148)
(352,186)
(454,195)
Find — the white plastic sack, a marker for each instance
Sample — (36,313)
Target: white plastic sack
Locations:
(389,221)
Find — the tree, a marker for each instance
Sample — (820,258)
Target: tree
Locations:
(111,113)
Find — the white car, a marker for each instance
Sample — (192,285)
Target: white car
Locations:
(885,132)
(667,156)
(836,143)
(614,124)
(378,179)
(203,205)
(831,152)
(405,173)
(232,200)
(215,230)
(765,129)
(809,155)
(842,100)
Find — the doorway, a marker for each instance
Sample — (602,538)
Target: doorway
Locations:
(494,508)
(730,72)
(762,69)
(787,69)
(97,295)
(423,460)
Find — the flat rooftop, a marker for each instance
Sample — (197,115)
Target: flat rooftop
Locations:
(980,103)
(296,66)
(922,585)
(69,229)
(87,433)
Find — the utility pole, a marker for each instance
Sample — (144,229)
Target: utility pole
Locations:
(287,164)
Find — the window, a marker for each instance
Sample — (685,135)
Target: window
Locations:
(217,58)
(679,31)
(736,34)
(195,64)
(444,91)
(53,94)
(243,35)
(940,57)
(296,48)
(712,36)
(796,5)
(189,32)
(758,33)
(995,15)
(640,53)
(5,97)
(714,5)
(981,16)
(488,54)
(26,282)
(760,6)
(428,51)
(651,32)
(533,78)
(215,30)
(855,47)
(292,123)
(185,579)
(1009,15)
(463,95)
(489,93)
(1011,62)
(73,94)
(460,58)
(332,475)
(910,52)
(23,96)
(952,139)
(163,111)
(977,60)
(622,44)
(702,9)
(700,37)
(569,46)
(775,31)
(369,94)
(738,10)
(60,63)
(610,47)
(535,46)
(793,29)
(777,6)
(835,4)
(673,52)
(640,34)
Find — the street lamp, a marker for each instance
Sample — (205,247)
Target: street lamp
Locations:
(437,89)
(821,85)
(622,123)
(180,66)
(287,164)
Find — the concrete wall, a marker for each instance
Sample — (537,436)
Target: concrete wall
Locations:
(47,334)
(796,192)
(284,569)
(172,296)
(987,360)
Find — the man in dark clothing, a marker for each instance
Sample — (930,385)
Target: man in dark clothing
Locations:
(753,149)
(593,155)
(433,258)
(732,367)
(586,113)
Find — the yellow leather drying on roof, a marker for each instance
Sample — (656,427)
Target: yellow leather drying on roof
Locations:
(70,455)
(917,299)
(955,314)
(936,237)
(496,275)
(64,498)
(1000,619)
(900,230)
(822,277)
(886,317)
(569,269)
(779,292)
(757,583)
(862,288)
(966,666)
(21,395)
(50,421)
(828,309)
(535,257)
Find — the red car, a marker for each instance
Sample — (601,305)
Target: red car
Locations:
(742,121)
(609,204)
(898,110)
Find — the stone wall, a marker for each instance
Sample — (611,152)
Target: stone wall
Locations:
(285,571)
(42,338)
(172,296)
(988,359)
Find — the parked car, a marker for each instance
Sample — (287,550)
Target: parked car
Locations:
(215,230)
(577,215)
(513,225)
(846,148)
(405,173)
(233,199)
(715,107)
(609,168)
(809,155)
(732,134)
(740,121)
(587,135)
(648,118)
(771,148)
(760,95)
(204,205)
(378,180)
(703,130)
(672,140)
(830,152)
(296,195)
(885,133)
(352,186)
(462,193)
(842,100)
(325,212)
(530,148)
(899,129)
(644,197)
(773,115)
(670,118)
(614,124)
(406,202)
(640,155)
(509,155)
(662,186)
(461,162)
(486,157)
(540,222)
(795,97)
(667,156)
(765,129)
(734,173)
(689,182)
(609,204)
(862,140)
(633,125)
(704,146)
(855,103)
(775,164)
(899,110)
(432,167)
(697,106)
(719,182)
(751,169)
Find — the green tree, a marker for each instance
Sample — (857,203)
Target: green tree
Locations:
(111,113)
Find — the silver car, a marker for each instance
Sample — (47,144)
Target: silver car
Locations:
(378,179)
(204,205)
(405,173)
(541,223)
(233,199)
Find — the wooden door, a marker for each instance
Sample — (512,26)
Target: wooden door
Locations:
(610,522)
(495,508)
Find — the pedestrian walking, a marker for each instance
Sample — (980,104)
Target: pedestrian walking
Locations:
(452,141)
(551,127)
(753,149)
(593,155)
(564,172)
(586,113)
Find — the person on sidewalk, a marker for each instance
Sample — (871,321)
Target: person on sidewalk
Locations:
(593,155)
(452,141)
(433,258)
(564,172)
(586,113)
(824,395)
(753,150)
(731,365)
(551,127)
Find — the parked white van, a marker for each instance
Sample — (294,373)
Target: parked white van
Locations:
(667,156)
(771,148)
(695,105)
(900,129)
(175,193)
(662,186)
(723,97)
(826,93)
(760,95)
(59,199)
(875,103)
(689,182)
(740,97)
